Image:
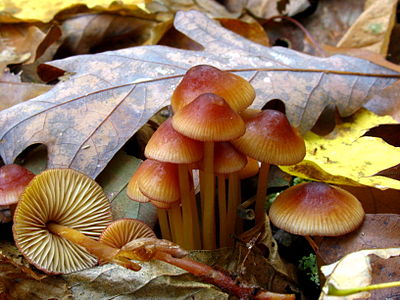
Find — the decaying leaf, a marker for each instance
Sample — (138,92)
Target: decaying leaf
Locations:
(92,33)
(355,270)
(386,102)
(347,157)
(372,29)
(376,201)
(85,120)
(157,280)
(13,91)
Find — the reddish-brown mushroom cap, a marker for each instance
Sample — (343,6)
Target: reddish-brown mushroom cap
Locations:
(208,118)
(227,159)
(168,145)
(250,169)
(316,208)
(207,79)
(133,190)
(13,180)
(159,181)
(64,197)
(122,231)
(271,139)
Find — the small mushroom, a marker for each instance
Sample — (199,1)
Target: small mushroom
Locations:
(209,119)
(316,209)
(270,139)
(13,180)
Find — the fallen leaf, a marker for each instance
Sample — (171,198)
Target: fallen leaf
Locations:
(85,120)
(157,280)
(44,11)
(373,28)
(376,201)
(332,19)
(377,231)
(268,8)
(386,102)
(347,157)
(92,33)
(24,43)
(252,31)
(114,180)
(357,269)
(13,91)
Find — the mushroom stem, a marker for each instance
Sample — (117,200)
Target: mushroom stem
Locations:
(191,232)
(101,251)
(222,209)
(261,192)
(175,221)
(209,240)
(164,224)
(218,278)
(233,203)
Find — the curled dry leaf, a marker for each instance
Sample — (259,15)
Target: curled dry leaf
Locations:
(112,94)
(377,231)
(355,270)
(373,27)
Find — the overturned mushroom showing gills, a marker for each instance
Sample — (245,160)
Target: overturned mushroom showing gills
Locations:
(60,199)
(316,208)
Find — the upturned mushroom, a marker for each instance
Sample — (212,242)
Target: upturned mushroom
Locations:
(60,205)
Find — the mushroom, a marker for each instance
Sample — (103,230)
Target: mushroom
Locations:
(209,119)
(236,91)
(60,203)
(13,180)
(316,209)
(271,139)
(167,145)
(135,241)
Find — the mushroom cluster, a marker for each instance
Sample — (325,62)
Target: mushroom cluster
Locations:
(211,130)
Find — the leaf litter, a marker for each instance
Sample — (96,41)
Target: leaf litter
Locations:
(116,92)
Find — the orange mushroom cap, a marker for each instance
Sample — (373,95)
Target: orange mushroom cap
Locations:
(208,118)
(159,181)
(13,180)
(271,139)
(168,145)
(122,231)
(316,208)
(207,79)
(227,159)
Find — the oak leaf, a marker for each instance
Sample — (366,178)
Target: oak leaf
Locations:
(85,120)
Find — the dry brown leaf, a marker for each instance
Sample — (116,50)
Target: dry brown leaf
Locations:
(24,43)
(85,120)
(92,33)
(269,8)
(372,29)
(376,201)
(13,91)
(377,231)
(386,102)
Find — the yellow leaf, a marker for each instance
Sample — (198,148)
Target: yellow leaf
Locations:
(45,10)
(346,157)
